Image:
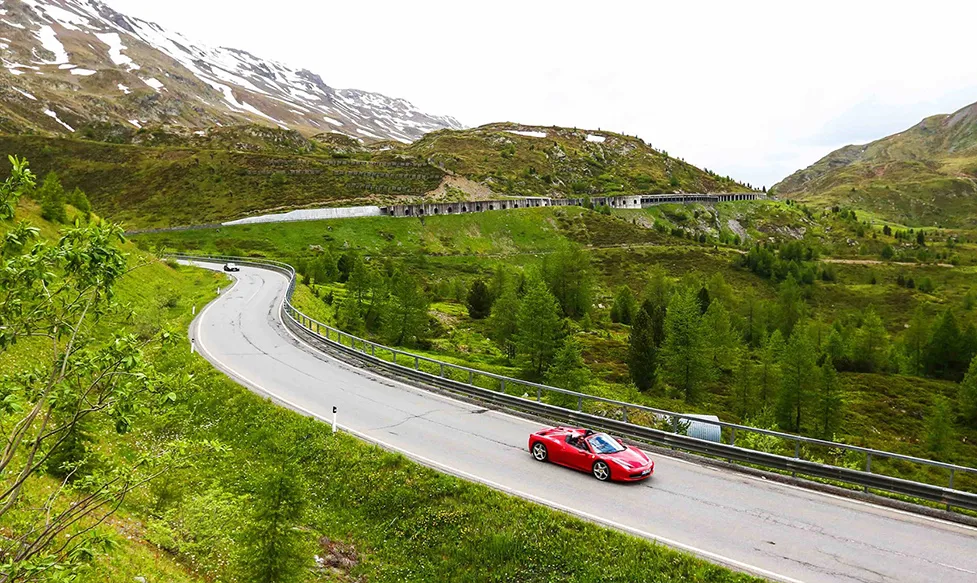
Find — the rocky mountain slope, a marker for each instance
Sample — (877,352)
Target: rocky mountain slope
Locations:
(69,63)
(926,175)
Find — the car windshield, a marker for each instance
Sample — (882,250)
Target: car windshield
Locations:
(603,443)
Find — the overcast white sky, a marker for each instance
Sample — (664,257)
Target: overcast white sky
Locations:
(751,89)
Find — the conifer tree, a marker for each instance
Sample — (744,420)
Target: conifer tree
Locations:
(625,306)
(406,318)
(568,370)
(722,340)
(829,402)
(744,387)
(642,352)
(968,394)
(684,354)
(538,328)
(942,356)
(791,305)
(872,343)
(769,370)
(799,376)
(939,428)
(479,300)
(503,322)
(274,546)
(915,340)
(567,273)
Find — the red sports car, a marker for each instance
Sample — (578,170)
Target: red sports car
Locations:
(588,451)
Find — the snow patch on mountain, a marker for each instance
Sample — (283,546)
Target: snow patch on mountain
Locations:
(54,115)
(49,41)
(112,40)
(527,134)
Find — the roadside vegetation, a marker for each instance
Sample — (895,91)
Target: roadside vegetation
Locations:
(128,457)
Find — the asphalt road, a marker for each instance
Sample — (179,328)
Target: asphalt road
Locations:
(773,530)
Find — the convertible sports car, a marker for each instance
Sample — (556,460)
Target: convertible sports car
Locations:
(588,451)
(231,267)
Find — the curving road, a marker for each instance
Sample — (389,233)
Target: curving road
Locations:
(772,530)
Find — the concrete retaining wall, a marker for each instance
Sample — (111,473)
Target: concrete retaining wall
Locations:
(312,215)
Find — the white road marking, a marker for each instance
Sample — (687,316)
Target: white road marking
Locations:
(460,473)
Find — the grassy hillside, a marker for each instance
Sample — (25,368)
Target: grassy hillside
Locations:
(157,178)
(924,176)
(391,520)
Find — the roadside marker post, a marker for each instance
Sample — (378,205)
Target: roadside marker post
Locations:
(193,342)
(334,411)
(193,311)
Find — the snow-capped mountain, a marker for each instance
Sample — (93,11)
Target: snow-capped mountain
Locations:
(68,63)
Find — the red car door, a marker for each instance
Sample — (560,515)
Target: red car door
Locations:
(559,450)
(577,458)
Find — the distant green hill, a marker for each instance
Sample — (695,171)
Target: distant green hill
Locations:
(156,177)
(555,161)
(926,175)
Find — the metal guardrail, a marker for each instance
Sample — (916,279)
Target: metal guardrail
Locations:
(444,376)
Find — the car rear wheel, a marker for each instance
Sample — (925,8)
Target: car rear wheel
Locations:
(539,452)
(601,471)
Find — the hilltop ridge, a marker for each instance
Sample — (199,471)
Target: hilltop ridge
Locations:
(925,175)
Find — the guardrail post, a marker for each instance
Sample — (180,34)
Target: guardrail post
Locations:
(417,364)
(502,385)
(797,455)
(470,377)
(948,507)
(625,410)
(393,357)
(579,403)
(539,394)
(868,467)
(442,369)
(373,350)
(732,437)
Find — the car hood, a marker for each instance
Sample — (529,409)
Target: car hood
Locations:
(632,457)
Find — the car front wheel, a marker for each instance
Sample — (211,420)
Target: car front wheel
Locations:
(539,452)
(601,471)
